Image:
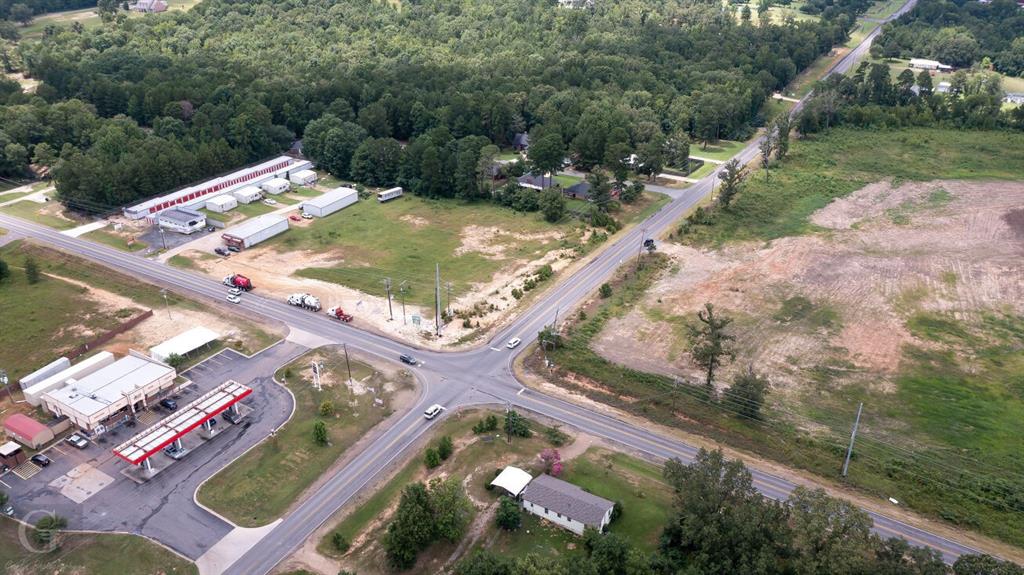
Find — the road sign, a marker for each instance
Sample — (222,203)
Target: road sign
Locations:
(416,320)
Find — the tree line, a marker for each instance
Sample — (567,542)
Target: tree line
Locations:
(720,523)
(234,81)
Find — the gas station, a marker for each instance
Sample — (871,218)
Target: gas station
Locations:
(140,449)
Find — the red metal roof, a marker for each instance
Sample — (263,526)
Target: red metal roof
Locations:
(23,425)
(174,426)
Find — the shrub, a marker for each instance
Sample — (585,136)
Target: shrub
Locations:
(326,408)
(339,542)
(605,291)
(47,529)
(616,512)
(556,436)
(320,433)
(445,447)
(431,458)
(508,516)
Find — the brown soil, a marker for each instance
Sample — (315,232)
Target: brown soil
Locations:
(936,246)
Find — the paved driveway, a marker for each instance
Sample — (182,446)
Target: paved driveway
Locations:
(163,507)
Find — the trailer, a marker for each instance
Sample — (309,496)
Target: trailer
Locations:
(339,314)
(389,194)
(303,177)
(221,203)
(248,195)
(305,301)
(275,186)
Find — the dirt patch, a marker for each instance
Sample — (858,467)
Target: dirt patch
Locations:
(415,221)
(491,241)
(937,246)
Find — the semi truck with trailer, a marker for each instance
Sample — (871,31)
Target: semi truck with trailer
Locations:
(305,301)
(238,281)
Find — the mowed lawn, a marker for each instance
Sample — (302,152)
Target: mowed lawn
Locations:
(721,150)
(261,485)
(39,213)
(95,554)
(403,239)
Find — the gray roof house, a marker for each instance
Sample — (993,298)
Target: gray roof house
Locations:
(566,505)
(521,141)
(579,190)
(535,182)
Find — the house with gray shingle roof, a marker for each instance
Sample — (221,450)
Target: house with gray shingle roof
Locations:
(566,505)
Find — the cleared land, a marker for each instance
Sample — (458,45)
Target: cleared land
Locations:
(260,486)
(75,301)
(484,251)
(1008,83)
(94,554)
(50,214)
(646,501)
(907,296)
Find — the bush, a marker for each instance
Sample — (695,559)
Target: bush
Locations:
(47,529)
(616,512)
(605,291)
(340,544)
(320,433)
(556,436)
(445,447)
(508,516)
(487,424)
(431,458)
(326,408)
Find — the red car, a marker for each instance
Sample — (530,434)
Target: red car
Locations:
(295,218)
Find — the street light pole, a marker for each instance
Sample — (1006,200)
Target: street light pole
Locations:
(167,305)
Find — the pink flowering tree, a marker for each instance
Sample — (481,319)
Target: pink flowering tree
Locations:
(552,462)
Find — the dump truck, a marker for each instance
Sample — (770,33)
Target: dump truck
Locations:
(239,281)
(339,314)
(305,301)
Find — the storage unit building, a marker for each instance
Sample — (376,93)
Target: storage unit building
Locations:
(221,204)
(34,394)
(389,194)
(248,195)
(28,431)
(44,372)
(181,220)
(275,186)
(123,386)
(256,230)
(333,201)
(303,177)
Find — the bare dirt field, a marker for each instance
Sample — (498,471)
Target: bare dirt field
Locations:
(841,298)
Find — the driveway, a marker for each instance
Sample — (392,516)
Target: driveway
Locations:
(162,508)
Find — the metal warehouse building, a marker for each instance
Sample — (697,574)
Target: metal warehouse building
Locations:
(333,201)
(92,364)
(248,195)
(222,203)
(256,230)
(125,385)
(181,220)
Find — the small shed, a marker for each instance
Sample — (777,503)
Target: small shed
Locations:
(513,480)
(11,454)
(28,431)
(222,203)
(248,195)
(183,343)
(275,186)
(303,178)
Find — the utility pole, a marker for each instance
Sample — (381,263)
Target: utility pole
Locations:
(162,238)
(853,436)
(387,288)
(347,364)
(401,289)
(437,298)
(167,305)
(640,251)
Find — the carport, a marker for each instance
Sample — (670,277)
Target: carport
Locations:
(140,448)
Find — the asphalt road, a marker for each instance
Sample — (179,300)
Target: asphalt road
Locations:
(458,379)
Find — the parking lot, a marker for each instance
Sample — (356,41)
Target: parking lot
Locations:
(88,488)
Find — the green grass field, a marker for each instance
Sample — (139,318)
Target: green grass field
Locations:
(721,150)
(832,165)
(92,554)
(87,16)
(1009,83)
(39,213)
(114,240)
(883,9)
(251,491)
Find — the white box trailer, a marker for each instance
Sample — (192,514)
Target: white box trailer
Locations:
(333,201)
(256,230)
(275,186)
(222,203)
(34,394)
(248,195)
(55,366)
(303,178)
(389,194)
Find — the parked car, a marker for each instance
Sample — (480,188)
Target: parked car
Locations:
(232,417)
(306,216)
(234,291)
(406,358)
(77,440)
(235,249)
(8,510)
(513,343)
(40,460)
(294,218)
(211,229)
(221,251)
(173,452)
(234,299)
(432,411)
(169,404)
(270,202)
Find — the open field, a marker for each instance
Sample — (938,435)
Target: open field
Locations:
(484,252)
(99,554)
(75,301)
(88,17)
(721,150)
(906,296)
(1008,83)
(50,214)
(883,9)
(115,240)
(251,491)
(636,484)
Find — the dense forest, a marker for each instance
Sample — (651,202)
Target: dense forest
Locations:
(959,33)
(181,95)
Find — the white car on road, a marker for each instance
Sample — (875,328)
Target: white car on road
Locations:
(513,343)
(234,299)
(432,411)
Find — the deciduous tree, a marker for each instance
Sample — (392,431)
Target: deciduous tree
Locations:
(709,343)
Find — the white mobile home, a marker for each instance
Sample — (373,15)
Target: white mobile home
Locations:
(248,195)
(181,220)
(333,201)
(566,505)
(275,186)
(222,203)
(303,177)
(389,194)
(256,230)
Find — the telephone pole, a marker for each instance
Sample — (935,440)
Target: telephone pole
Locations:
(437,298)
(401,289)
(348,366)
(853,436)
(387,288)
(640,251)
